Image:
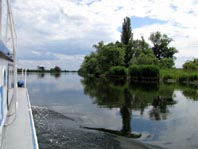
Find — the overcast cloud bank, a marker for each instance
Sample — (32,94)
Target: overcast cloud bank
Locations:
(62,32)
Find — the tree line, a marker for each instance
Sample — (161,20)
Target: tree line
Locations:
(42,69)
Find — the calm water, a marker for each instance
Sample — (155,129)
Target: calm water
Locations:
(165,114)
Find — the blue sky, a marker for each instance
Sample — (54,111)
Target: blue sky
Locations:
(62,32)
(138,22)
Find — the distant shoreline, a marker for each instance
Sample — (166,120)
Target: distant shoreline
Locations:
(46,71)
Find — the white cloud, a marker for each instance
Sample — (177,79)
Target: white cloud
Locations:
(71,27)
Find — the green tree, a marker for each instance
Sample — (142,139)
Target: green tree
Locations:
(191,65)
(145,59)
(41,68)
(126,39)
(141,44)
(105,57)
(136,48)
(126,35)
(166,63)
(129,53)
(142,54)
(110,55)
(161,47)
(90,65)
(55,69)
(98,46)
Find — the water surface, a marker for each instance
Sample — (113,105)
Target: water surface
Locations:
(165,114)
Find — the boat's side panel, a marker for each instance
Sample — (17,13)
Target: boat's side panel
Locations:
(3,95)
(4,64)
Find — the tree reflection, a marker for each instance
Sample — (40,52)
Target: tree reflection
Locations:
(190,91)
(128,97)
(159,97)
(159,110)
(125,112)
(41,75)
(55,74)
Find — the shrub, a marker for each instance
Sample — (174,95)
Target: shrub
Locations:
(117,71)
(134,72)
(144,72)
(149,71)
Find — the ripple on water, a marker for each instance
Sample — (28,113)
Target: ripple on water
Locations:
(55,130)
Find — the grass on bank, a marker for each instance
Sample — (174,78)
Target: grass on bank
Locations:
(178,75)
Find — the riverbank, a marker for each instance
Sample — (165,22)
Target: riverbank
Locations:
(147,74)
(178,75)
(55,130)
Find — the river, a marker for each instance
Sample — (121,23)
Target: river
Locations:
(165,115)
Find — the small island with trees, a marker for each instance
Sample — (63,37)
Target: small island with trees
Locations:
(136,60)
